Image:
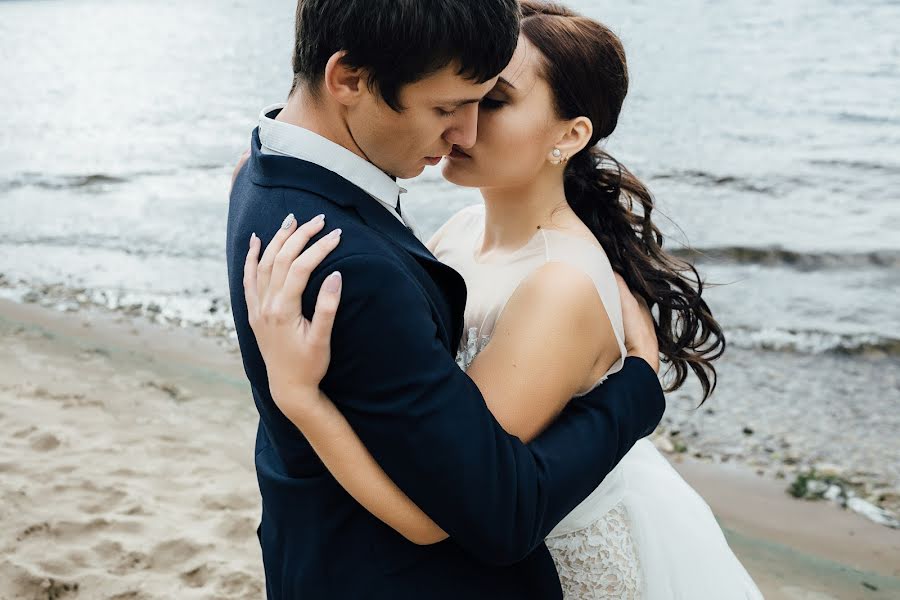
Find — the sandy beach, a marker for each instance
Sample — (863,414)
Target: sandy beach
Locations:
(126,463)
(126,469)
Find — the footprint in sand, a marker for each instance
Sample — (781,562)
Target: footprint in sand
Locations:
(79,559)
(237,529)
(196,578)
(33,530)
(117,560)
(174,553)
(24,582)
(68,531)
(45,442)
(58,589)
(239,585)
(103,501)
(228,502)
(130,562)
(108,550)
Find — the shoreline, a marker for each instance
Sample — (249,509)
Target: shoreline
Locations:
(172,405)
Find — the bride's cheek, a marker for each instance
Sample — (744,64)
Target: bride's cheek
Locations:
(495,133)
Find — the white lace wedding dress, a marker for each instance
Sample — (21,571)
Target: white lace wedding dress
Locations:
(644,533)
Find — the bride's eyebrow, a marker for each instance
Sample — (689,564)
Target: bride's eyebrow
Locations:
(506,82)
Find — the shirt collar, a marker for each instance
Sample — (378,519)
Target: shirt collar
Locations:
(278,137)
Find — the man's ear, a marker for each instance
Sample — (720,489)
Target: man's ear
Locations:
(342,82)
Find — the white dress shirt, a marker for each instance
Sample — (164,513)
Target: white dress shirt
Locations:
(284,139)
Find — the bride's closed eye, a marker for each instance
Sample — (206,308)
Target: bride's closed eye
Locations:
(492,103)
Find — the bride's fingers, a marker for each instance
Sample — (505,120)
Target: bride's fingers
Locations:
(292,248)
(326,308)
(264,271)
(303,266)
(251,294)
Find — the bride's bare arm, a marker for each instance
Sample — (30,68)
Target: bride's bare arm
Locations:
(552,341)
(351,464)
(273,285)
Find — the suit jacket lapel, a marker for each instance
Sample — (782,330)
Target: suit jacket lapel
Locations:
(284,171)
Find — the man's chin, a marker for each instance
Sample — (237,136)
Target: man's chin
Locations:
(411,172)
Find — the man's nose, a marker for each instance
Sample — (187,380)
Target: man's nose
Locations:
(465,127)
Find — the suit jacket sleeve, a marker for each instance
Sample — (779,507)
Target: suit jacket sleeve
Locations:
(426,423)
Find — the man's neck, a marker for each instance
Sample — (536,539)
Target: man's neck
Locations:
(304,111)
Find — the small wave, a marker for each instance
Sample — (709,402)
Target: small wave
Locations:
(858,165)
(707,179)
(91,181)
(807,261)
(814,342)
(61,182)
(141,247)
(855,117)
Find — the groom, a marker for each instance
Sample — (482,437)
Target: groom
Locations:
(381,89)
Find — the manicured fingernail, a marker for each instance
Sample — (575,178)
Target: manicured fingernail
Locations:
(333,282)
(336,233)
(317,219)
(288,221)
(252,238)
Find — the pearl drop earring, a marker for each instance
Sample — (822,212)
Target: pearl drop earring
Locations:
(557,156)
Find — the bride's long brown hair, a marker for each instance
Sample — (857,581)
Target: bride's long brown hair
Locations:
(584,64)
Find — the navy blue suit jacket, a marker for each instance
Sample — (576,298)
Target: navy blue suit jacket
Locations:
(394,377)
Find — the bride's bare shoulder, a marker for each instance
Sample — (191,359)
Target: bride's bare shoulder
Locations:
(564,296)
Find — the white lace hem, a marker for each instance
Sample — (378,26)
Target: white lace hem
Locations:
(599,561)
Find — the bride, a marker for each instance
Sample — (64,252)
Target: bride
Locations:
(560,216)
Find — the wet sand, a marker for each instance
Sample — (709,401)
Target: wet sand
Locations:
(126,462)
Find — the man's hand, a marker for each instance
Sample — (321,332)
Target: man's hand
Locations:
(640,335)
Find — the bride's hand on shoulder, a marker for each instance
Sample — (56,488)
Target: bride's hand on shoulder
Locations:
(297,351)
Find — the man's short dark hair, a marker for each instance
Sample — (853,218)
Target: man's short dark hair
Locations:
(403,41)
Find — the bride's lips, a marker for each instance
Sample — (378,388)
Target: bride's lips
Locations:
(457,153)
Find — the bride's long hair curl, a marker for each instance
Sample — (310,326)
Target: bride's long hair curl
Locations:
(584,64)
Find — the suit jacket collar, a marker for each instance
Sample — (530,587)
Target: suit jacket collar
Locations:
(283,171)
(290,140)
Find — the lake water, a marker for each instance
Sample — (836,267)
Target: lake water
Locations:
(768,131)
